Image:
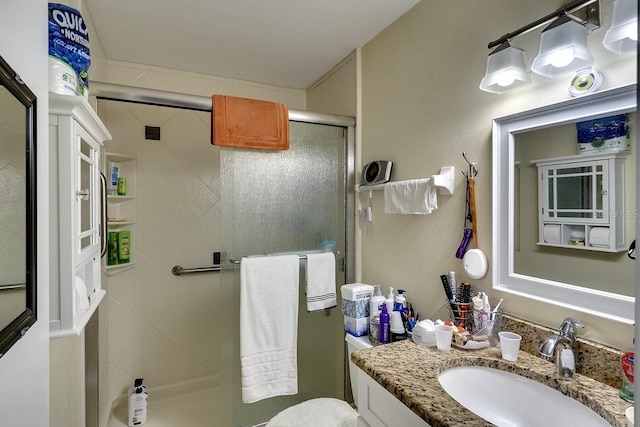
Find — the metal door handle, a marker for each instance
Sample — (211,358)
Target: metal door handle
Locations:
(103,215)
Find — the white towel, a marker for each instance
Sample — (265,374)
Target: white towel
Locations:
(321,281)
(416,196)
(269,326)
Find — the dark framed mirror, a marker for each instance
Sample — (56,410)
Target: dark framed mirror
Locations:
(17,207)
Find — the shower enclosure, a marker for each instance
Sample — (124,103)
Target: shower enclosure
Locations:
(270,202)
(286,201)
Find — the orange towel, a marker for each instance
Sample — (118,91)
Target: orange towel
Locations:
(249,123)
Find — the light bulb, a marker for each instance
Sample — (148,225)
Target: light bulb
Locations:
(562,58)
(505,79)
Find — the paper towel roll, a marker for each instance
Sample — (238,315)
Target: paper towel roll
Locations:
(551,233)
(599,237)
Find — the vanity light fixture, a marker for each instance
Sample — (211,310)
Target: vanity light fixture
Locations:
(563,49)
(506,70)
(622,37)
(566,33)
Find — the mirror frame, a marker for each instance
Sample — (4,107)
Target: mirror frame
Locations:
(19,326)
(596,302)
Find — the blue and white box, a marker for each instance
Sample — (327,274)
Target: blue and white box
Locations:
(604,134)
(355,308)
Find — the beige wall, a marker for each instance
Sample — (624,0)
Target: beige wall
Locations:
(335,92)
(421,108)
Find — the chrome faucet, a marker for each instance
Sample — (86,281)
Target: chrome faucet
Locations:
(561,347)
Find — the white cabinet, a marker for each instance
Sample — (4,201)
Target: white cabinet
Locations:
(379,408)
(121,214)
(76,135)
(581,202)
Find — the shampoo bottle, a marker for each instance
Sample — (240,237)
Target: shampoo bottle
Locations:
(384,325)
(626,364)
(138,400)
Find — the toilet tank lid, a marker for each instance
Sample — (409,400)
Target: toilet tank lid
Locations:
(358,342)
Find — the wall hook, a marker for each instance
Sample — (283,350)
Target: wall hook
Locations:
(473,170)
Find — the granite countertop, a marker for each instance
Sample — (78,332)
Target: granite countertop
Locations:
(410,372)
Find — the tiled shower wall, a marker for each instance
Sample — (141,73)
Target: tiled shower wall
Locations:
(162,327)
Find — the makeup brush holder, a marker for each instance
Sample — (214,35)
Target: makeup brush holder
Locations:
(461,314)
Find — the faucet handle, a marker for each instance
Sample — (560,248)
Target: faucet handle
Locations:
(568,327)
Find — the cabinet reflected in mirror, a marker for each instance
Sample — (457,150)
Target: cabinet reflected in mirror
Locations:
(576,202)
(592,281)
(17,208)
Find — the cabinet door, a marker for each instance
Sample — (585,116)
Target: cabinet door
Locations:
(86,210)
(576,192)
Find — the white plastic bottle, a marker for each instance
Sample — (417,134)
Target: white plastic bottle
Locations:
(389,302)
(138,401)
(376,301)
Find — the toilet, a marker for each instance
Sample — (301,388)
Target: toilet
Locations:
(326,412)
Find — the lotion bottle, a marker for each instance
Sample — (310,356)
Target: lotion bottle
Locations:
(138,400)
(390,300)
(376,301)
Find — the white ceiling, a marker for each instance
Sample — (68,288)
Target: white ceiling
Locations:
(289,43)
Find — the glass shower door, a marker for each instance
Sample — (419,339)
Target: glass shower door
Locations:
(284,201)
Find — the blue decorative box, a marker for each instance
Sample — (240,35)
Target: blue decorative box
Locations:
(355,307)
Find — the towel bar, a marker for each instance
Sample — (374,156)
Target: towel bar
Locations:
(302,256)
(177,270)
(12,287)
(443,181)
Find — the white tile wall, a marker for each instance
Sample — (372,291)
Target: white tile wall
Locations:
(158,322)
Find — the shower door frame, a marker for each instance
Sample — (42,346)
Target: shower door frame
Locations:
(138,95)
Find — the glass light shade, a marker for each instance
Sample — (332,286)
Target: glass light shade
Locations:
(506,70)
(622,37)
(563,49)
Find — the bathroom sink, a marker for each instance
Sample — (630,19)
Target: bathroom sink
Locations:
(507,399)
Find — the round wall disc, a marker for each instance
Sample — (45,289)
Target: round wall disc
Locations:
(584,82)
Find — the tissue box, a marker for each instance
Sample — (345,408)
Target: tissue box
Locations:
(355,307)
(604,134)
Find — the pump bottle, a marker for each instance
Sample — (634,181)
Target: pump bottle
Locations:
(138,400)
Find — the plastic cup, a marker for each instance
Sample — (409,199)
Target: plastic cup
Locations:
(510,345)
(444,334)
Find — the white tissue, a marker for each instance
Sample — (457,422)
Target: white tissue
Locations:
(81,297)
(551,233)
(599,237)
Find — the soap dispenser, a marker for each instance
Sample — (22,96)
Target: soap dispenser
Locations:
(138,401)
(390,300)
(376,301)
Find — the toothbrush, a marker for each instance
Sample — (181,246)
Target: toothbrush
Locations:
(497,305)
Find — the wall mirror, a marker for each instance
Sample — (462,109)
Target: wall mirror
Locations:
(17,208)
(561,276)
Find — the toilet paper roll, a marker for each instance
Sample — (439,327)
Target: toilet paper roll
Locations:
(599,237)
(551,233)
